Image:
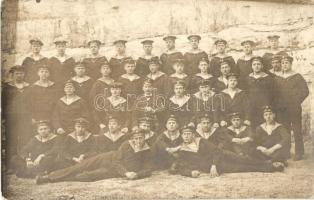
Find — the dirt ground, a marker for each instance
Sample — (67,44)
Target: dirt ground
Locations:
(297,181)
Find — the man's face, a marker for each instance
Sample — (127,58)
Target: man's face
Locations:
(187,137)
(18,76)
(171,125)
(257,66)
(105,70)
(36,48)
(204,89)
(69,89)
(269,117)
(178,90)
(144,126)
(79,128)
(129,68)
(61,48)
(274,43)
(276,64)
(43,130)
(147,88)
(286,65)
(80,70)
(115,91)
(247,48)
(138,140)
(205,125)
(194,43)
(153,67)
(203,66)
(225,69)
(94,48)
(170,44)
(178,67)
(113,126)
(236,122)
(43,73)
(120,48)
(148,48)
(221,47)
(232,82)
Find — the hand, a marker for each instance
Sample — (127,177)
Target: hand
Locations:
(76,159)
(38,159)
(236,140)
(173,150)
(260,148)
(125,130)
(29,164)
(223,123)
(195,173)
(102,126)
(247,122)
(216,125)
(135,128)
(268,152)
(191,124)
(213,172)
(148,109)
(82,156)
(245,140)
(60,131)
(131,175)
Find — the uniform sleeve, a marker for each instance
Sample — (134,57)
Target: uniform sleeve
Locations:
(302,89)
(285,137)
(147,169)
(246,106)
(55,116)
(64,150)
(117,163)
(27,149)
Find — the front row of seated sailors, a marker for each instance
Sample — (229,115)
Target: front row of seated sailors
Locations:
(188,150)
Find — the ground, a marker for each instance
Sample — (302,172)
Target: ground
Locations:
(297,181)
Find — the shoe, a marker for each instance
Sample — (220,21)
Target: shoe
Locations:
(298,157)
(42,180)
(278,166)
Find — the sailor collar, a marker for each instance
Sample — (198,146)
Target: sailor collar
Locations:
(147,57)
(172,137)
(269,130)
(116,102)
(114,137)
(31,55)
(277,73)
(43,140)
(179,76)
(238,130)
(262,75)
(222,57)
(287,75)
(80,79)
(69,101)
(192,147)
(119,57)
(232,93)
(93,57)
(136,149)
(50,83)
(107,81)
(195,51)
(204,76)
(205,135)
(156,75)
(171,51)
(130,77)
(198,95)
(63,58)
(247,58)
(180,101)
(19,86)
(80,139)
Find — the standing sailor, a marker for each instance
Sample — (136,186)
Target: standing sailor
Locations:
(142,64)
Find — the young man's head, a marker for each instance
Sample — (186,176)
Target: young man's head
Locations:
(276,63)
(36,45)
(138,139)
(257,64)
(286,63)
(113,124)
(18,73)
(248,46)
(144,123)
(187,134)
(179,88)
(232,80)
(221,46)
(170,42)
(43,128)
(269,114)
(129,65)
(43,72)
(178,66)
(147,46)
(120,46)
(60,45)
(69,88)
(79,70)
(235,120)
(154,65)
(148,86)
(203,65)
(172,123)
(194,41)
(80,126)
(225,68)
(94,46)
(205,123)
(273,41)
(105,69)
(116,89)
(204,87)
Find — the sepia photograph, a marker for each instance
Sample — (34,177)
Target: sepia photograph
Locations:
(157,99)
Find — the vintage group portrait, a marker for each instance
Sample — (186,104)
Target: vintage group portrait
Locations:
(157,99)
